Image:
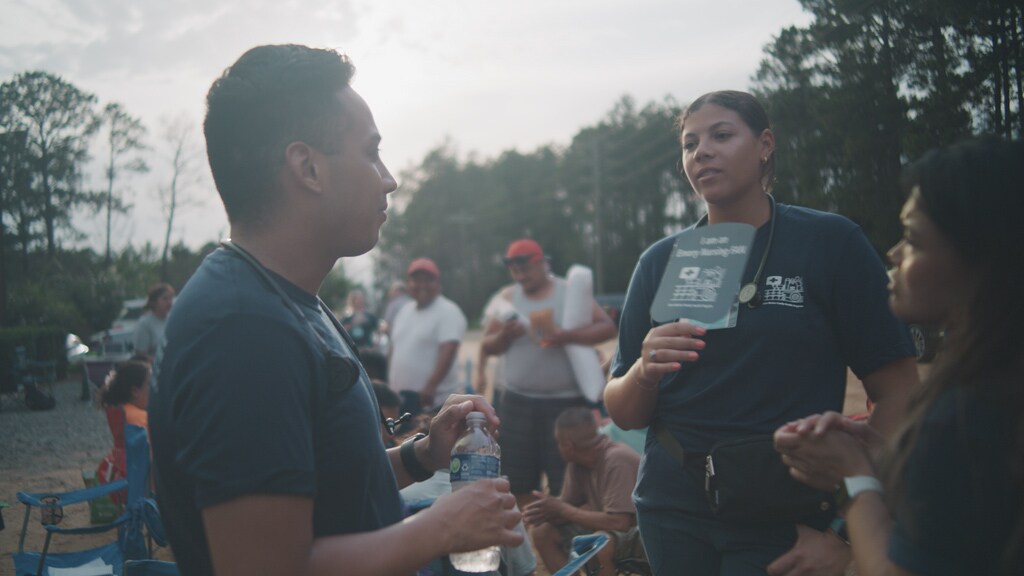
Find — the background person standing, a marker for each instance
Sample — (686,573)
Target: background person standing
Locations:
(425,342)
(538,377)
(150,329)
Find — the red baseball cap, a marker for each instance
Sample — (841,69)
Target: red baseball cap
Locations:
(423,265)
(524,250)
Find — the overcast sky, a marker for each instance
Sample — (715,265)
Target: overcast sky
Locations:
(489,75)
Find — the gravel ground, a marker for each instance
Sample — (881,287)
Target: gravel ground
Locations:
(44,451)
(73,434)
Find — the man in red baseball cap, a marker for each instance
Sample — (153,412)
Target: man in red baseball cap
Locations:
(523,251)
(523,326)
(425,341)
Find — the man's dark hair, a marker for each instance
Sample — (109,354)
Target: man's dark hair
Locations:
(270,97)
(577,425)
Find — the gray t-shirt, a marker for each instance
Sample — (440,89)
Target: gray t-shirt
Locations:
(534,371)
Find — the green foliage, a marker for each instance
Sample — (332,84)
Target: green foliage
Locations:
(41,343)
(335,288)
(57,120)
(870,85)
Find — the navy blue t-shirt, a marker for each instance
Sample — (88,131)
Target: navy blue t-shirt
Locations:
(963,490)
(825,308)
(249,400)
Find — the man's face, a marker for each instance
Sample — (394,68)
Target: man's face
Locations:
(565,448)
(357,182)
(528,274)
(423,287)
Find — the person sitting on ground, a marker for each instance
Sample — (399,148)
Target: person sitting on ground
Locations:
(596,495)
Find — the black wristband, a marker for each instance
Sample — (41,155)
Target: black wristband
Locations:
(412,464)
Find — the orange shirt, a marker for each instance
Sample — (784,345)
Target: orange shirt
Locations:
(136,416)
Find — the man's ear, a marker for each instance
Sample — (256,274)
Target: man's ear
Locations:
(302,166)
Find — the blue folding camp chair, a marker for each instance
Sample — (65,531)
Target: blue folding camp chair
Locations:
(583,549)
(150,568)
(137,528)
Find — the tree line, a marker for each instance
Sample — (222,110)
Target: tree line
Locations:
(48,127)
(865,87)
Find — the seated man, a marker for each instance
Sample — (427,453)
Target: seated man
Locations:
(596,495)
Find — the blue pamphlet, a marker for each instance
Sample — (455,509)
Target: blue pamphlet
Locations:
(703,276)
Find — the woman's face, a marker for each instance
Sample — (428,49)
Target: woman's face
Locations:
(163,304)
(928,278)
(722,157)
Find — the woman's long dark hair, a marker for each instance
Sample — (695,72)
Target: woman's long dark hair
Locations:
(974,193)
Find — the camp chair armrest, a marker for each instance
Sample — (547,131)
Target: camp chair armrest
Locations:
(583,549)
(73,497)
(86,529)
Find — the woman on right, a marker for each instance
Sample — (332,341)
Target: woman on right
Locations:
(953,497)
(819,307)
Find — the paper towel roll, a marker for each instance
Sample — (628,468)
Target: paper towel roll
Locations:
(578,311)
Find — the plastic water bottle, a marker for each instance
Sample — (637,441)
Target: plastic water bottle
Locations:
(475,456)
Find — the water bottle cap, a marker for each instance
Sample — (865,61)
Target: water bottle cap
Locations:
(475,416)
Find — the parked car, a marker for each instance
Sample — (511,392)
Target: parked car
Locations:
(612,304)
(117,339)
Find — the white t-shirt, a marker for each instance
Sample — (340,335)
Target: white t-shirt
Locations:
(416,339)
(148,334)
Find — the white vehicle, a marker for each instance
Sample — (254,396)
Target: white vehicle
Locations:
(117,340)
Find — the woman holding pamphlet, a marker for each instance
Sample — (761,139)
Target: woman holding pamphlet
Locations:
(807,300)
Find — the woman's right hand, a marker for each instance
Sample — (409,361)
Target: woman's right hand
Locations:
(665,348)
(481,514)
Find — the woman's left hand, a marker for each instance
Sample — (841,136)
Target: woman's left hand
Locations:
(822,460)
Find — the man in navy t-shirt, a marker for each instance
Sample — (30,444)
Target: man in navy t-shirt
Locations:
(265,430)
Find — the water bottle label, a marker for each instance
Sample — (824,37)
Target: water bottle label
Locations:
(472,467)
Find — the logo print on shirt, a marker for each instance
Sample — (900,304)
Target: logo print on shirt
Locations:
(784,291)
(699,284)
